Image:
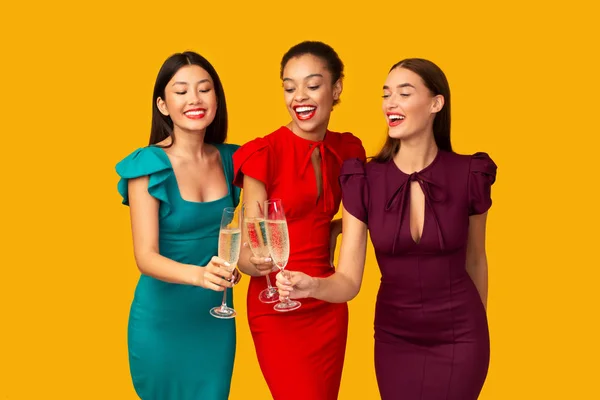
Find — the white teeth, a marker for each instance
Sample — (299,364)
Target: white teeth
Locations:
(304,109)
(199,112)
(394,117)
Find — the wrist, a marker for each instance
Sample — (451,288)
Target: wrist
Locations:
(313,287)
(248,269)
(245,265)
(195,276)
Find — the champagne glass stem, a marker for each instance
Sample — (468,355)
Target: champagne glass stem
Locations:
(285,299)
(224,302)
(269,282)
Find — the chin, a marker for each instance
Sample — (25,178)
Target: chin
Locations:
(398,133)
(309,126)
(194,128)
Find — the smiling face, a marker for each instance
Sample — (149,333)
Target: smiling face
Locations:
(189,100)
(309,93)
(408,105)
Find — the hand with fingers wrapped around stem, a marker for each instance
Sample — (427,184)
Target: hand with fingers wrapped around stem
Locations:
(296,285)
(256,242)
(263,265)
(216,276)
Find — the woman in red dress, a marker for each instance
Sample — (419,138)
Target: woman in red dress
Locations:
(300,164)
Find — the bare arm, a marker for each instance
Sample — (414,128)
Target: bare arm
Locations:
(254,191)
(476,263)
(345,284)
(144,226)
(335,229)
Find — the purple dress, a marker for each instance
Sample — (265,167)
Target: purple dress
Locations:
(431,332)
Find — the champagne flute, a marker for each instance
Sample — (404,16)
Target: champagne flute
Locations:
(278,242)
(254,225)
(229,250)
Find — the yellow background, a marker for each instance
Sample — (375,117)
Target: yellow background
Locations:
(76,96)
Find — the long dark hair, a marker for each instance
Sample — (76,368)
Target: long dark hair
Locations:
(435,80)
(162,125)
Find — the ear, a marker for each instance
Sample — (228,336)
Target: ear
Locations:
(438,103)
(162,107)
(337,89)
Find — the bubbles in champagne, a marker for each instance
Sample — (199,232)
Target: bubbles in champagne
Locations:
(229,245)
(257,236)
(278,241)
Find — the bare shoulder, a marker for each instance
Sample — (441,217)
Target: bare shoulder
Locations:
(164,144)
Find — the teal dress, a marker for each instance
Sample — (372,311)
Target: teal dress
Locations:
(177,350)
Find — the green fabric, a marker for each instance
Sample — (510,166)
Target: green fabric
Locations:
(177,350)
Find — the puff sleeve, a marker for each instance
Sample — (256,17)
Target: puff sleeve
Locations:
(146,161)
(482,174)
(355,191)
(252,159)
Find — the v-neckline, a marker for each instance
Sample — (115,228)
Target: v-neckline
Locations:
(409,182)
(312,145)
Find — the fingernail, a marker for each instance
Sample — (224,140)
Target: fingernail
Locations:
(288,282)
(268,259)
(227,264)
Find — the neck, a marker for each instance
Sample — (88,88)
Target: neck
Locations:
(416,153)
(317,135)
(189,144)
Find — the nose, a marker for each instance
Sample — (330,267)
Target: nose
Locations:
(390,102)
(194,97)
(300,95)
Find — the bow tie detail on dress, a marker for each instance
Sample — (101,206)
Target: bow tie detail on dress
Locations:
(403,191)
(326,192)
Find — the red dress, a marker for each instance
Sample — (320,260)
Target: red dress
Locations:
(313,337)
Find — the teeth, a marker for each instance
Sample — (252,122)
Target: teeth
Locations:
(395,117)
(304,109)
(199,112)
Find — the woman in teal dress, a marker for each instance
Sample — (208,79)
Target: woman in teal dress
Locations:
(177,188)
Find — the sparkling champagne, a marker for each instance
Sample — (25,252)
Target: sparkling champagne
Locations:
(257,236)
(229,245)
(278,242)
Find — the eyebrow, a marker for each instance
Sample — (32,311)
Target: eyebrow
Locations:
(307,77)
(185,83)
(402,85)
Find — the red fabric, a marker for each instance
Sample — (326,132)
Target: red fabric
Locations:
(312,337)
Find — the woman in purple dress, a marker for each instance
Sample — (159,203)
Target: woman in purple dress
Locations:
(425,207)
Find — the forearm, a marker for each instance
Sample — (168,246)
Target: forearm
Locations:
(336,288)
(157,266)
(345,283)
(255,194)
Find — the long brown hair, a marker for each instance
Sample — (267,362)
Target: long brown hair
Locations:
(162,126)
(435,80)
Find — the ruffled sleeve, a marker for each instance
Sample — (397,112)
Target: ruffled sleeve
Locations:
(353,147)
(482,175)
(355,191)
(146,161)
(252,159)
